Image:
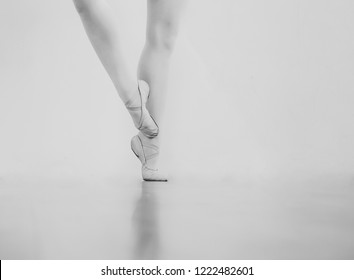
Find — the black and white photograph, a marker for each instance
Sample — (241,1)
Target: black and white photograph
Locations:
(176,130)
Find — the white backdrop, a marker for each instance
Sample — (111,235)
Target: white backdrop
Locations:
(258,89)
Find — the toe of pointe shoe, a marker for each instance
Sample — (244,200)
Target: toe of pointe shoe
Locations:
(153,175)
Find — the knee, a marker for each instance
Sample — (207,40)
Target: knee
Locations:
(163,35)
(82,6)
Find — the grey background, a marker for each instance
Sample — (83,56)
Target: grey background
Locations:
(261,94)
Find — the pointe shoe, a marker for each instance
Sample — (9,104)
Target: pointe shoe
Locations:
(144,153)
(143,121)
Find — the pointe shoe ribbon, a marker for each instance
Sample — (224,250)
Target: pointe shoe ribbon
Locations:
(145,152)
(143,121)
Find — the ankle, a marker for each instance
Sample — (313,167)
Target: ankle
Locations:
(131,94)
(132,98)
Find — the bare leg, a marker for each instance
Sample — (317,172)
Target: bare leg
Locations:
(102,31)
(161,31)
(162,27)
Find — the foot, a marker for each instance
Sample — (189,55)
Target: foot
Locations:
(147,152)
(140,115)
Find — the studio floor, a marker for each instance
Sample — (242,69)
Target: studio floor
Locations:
(186,218)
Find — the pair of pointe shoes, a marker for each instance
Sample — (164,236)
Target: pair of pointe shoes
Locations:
(144,149)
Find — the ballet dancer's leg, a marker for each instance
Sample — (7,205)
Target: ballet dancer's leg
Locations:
(163,17)
(102,31)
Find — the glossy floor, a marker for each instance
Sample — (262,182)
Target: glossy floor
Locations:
(186,218)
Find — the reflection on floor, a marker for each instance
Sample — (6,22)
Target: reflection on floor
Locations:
(182,219)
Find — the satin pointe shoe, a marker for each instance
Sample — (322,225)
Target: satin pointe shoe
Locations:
(141,116)
(146,152)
